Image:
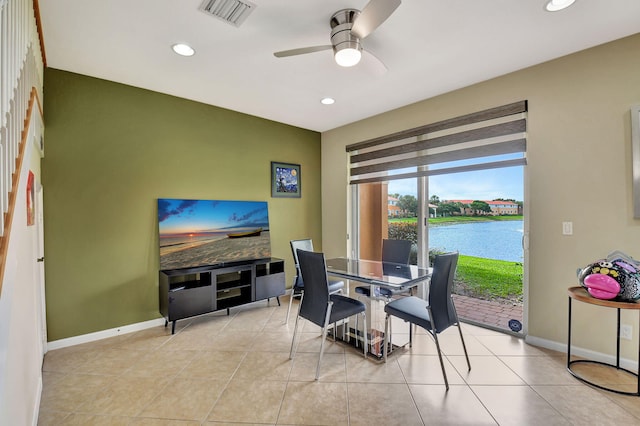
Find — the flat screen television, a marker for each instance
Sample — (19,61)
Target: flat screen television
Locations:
(196,233)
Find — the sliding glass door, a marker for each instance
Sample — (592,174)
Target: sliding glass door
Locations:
(477,213)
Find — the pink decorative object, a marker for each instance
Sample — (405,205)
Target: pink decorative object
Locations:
(601,286)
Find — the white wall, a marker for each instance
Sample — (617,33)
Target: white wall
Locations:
(21,348)
(579,170)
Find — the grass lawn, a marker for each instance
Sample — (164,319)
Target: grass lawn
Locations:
(489,278)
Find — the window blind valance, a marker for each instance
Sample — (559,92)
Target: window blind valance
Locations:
(472,140)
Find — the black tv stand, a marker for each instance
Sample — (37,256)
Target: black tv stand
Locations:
(188,292)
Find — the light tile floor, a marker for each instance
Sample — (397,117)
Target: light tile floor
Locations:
(235,369)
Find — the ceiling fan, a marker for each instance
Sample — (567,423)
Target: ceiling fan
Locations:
(348,28)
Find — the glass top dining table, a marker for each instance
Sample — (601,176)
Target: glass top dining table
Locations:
(376,274)
(384,274)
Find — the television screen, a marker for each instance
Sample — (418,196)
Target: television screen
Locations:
(211,232)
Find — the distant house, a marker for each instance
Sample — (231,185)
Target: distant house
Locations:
(498,208)
(392,207)
(394,211)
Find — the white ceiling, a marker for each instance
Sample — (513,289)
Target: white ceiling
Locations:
(430,47)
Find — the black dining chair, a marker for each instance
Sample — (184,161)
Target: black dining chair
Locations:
(322,308)
(393,251)
(435,315)
(335,285)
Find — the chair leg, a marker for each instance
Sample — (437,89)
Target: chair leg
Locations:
(356,330)
(388,346)
(410,335)
(295,330)
(324,337)
(293,294)
(387,338)
(444,374)
(464,346)
(364,332)
(435,337)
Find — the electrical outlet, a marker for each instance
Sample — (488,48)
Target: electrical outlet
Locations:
(625,331)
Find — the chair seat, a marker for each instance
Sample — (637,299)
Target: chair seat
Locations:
(380,291)
(344,307)
(366,290)
(335,285)
(411,309)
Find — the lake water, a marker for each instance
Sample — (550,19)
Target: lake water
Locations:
(492,240)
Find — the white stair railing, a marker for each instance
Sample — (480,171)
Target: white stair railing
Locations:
(21,83)
(21,70)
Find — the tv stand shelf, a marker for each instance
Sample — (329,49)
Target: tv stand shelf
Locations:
(188,292)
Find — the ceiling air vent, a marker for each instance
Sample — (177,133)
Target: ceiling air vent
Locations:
(233,12)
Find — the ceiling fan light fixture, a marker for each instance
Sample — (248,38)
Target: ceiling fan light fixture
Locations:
(347,56)
(556,5)
(347,49)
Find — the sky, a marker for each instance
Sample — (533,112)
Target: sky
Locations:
(188,216)
(490,184)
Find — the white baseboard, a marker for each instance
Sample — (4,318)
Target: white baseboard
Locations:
(626,363)
(99,335)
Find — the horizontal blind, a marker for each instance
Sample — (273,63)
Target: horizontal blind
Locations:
(492,132)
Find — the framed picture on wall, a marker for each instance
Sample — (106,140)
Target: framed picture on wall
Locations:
(31,211)
(285,180)
(635,151)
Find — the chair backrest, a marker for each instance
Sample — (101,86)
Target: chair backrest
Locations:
(396,251)
(306,245)
(442,309)
(316,286)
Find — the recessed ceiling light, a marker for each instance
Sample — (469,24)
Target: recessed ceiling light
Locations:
(556,5)
(327,101)
(183,49)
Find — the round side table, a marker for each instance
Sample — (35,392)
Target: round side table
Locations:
(580,294)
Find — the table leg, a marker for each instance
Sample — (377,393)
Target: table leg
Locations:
(569,337)
(618,342)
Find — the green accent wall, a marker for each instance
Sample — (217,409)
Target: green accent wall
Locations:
(111,151)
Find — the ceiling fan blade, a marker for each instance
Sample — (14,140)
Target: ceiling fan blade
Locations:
(372,16)
(373,64)
(302,51)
